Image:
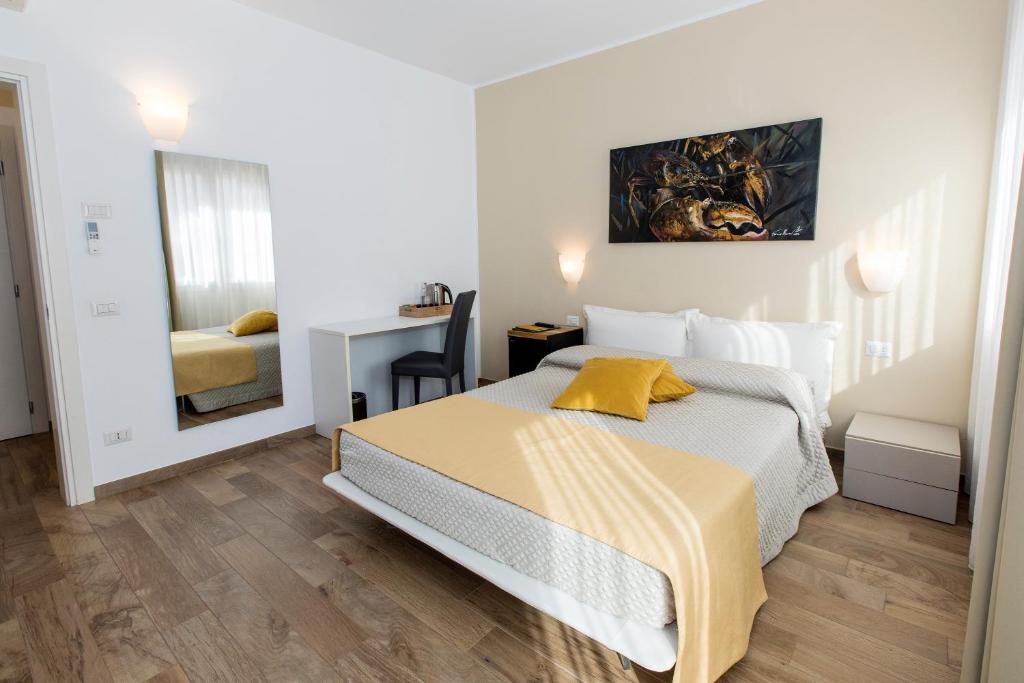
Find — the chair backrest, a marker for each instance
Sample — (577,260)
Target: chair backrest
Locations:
(455,337)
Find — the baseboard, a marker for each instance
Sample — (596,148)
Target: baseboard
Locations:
(113,488)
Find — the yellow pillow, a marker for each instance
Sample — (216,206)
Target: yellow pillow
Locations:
(617,386)
(668,386)
(260,320)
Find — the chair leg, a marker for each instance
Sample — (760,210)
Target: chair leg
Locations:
(416,388)
(448,386)
(462,382)
(394,392)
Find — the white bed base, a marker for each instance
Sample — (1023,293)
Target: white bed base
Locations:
(650,647)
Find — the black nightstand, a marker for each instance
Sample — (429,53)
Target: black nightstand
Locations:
(525,349)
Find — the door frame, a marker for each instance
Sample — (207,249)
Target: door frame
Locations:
(48,247)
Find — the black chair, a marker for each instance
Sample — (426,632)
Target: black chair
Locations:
(440,365)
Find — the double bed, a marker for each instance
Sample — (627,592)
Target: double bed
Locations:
(758,419)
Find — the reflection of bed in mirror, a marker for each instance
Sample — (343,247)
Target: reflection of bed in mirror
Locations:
(258,389)
(218,250)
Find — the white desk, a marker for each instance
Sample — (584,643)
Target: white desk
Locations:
(356,355)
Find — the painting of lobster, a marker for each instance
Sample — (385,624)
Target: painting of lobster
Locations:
(756,184)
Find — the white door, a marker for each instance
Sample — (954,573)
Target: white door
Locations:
(15,419)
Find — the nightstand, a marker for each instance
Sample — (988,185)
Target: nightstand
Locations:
(903,464)
(525,349)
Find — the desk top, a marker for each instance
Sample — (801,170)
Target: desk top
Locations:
(391,323)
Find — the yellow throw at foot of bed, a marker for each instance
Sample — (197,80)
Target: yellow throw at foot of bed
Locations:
(203,361)
(692,518)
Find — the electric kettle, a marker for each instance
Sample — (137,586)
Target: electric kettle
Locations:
(435,293)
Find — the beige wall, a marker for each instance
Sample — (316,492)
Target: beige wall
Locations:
(908,93)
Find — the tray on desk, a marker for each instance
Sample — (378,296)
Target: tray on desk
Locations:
(420,311)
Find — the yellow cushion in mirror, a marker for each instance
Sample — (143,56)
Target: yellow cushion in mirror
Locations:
(669,387)
(617,386)
(260,320)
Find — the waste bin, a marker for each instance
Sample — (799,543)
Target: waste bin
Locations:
(358,405)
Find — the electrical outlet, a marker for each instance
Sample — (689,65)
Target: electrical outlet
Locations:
(878,349)
(120,436)
(573,320)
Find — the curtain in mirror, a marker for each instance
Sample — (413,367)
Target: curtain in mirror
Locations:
(218,239)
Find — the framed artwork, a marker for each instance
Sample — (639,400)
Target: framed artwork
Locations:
(756,184)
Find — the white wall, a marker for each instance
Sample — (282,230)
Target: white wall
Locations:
(372,179)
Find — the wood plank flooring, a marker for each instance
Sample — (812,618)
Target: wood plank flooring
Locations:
(249,571)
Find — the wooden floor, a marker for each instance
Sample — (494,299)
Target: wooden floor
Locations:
(252,571)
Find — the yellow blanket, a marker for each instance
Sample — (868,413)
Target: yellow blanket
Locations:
(203,361)
(690,517)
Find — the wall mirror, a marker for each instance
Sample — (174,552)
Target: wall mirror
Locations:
(218,249)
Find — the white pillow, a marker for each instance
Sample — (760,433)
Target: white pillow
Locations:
(808,348)
(663,334)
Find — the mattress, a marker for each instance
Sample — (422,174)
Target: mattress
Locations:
(268,373)
(755,418)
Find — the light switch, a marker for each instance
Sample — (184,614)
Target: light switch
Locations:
(95,210)
(878,349)
(102,309)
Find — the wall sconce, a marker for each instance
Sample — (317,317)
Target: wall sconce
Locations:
(165,120)
(572,267)
(881,270)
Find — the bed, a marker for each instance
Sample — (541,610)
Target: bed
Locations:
(267,352)
(758,419)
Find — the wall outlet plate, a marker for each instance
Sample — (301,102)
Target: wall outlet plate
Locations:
(120,436)
(573,320)
(878,349)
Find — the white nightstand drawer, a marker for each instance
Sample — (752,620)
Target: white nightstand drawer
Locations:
(917,499)
(923,467)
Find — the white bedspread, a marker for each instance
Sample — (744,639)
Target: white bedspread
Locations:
(757,418)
